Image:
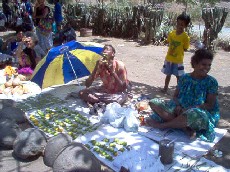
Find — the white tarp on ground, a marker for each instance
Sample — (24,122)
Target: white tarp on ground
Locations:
(144,153)
(193,148)
(143,149)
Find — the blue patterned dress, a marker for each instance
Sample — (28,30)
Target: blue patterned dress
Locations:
(193,92)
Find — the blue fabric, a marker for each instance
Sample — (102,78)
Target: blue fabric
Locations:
(156,117)
(29,8)
(193,92)
(79,68)
(58,13)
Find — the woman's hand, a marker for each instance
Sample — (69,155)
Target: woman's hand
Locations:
(178,110)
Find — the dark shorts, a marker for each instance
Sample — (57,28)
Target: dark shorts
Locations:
(170,68)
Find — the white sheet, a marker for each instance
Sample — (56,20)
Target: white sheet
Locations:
(144,153)
(141,147)
(183,144)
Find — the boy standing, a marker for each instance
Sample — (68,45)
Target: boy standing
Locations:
(178,43)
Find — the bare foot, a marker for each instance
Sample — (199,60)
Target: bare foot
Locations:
(190,132)
(152,123)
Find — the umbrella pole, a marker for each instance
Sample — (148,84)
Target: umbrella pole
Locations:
(72,68)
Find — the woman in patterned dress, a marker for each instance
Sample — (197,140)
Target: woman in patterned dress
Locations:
(194,107)
(43,23)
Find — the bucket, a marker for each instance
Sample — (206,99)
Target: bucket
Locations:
(166,151)
(84,32)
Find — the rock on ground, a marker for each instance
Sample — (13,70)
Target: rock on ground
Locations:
(6,103)
(31,142)
(54,147)
(75,157)
(9,131)
(13,113)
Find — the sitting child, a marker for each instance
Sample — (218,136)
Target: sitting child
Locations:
(64,35)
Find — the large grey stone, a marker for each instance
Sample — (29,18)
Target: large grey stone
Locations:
(75,157)
(54,147)
(29,143)
(13,113)
(7,103)
(9,130)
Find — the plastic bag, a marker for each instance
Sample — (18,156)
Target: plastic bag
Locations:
(118,123)
(110,113)
(131,123)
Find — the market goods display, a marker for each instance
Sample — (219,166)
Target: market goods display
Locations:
(108,148)
(40,101)
(57,120)
(9,70)
(14,86)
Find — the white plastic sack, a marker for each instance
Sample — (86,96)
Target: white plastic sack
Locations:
(118,123)
(111,113)
(131,123)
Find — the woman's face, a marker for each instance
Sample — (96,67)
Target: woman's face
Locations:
(29,42)
(203,67)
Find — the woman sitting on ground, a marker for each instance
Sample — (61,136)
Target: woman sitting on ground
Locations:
(27,57)
(194,107)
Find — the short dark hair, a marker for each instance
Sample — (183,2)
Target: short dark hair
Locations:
(19,30)
(32,35)
(200,55)
(109,45)
(184,17)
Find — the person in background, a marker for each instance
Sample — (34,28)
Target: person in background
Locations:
(7,11)
(38,11)
(57,13)
(27,22)
(68,33)
(58,36)
(179,42)
(3,21)
(13,42)
(43,25)
(113,75)
(29,8)
(194,107)
(65,34)
(27,57)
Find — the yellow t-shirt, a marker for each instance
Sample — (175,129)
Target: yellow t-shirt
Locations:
(177,45)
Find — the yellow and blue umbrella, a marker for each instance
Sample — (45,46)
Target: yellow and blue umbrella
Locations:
(65,63)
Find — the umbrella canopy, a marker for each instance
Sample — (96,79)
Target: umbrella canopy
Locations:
(65,63)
